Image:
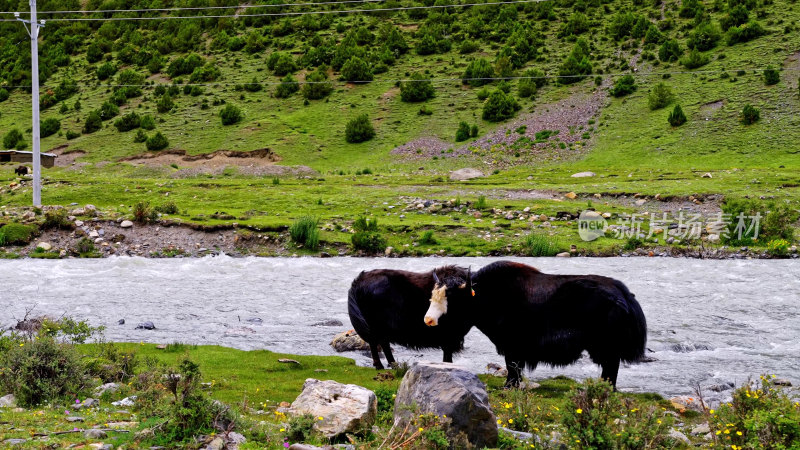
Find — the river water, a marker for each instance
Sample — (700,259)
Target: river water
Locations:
(709,321)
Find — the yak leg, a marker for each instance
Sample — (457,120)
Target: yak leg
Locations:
(448,356)
(514,367)
(610,371)
(376,358)
(387,352)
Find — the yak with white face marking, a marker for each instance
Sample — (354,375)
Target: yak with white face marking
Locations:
(386,307)
(533,318)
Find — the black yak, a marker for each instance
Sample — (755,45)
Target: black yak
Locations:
(385,307)
(21,170)
(533,318)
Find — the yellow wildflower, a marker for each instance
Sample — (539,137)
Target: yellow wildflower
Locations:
(579,411)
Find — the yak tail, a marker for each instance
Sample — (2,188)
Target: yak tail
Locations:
(356,316)
(632,329)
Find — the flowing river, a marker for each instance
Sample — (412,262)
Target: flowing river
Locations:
(710,322)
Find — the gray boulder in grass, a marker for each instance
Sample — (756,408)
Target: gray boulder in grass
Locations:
(451,390)
(343,408)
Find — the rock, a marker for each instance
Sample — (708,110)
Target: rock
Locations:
(14,441)
(304,447)
(289,361)
(101,446)
(519,435)
(344,408)
(216,444)
(781,382)
(255,320)
(328,323)
(712,238)
(127,401)
(8,401)
(46,246)
(348,341)
(685,402)
(95,434)
(542,217)
(451,390)
(88,403)
(583,174)
(108,387)
(388,251)
(563,255)
(707,175)
(94,234)
(678,436)
(465,174)
(640,202)
(528,385)
(703,428)
(28,216)
(571,195)
(146,326)
(121,322)
(236,438)
(126,224)
(75,419)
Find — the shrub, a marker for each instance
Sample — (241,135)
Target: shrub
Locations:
(623,86)
(736,16)
(140,137)
(478,73)
(40,370)
(230,114)
(208,72)
(481,203)
(774,221)
(659,97)
(305,231)
(143,212)
(528,85)
(750,114)
(499,106)
(778,247)
(704,37)
(165,104)
(473,132)
(281,63)
(670,51)
(167,208)
(253,86)
(771,76)
(427,238)
(3,94)
(106,70)
(12,138)
(108,111)
(156,142)
(57,219)
(364,224)
(72,135)
(185,66)
(287,87)
(128,122)
(147,122)
(744,33)
(462,133)
(576,64)
(93,122)
(300,428)
(418,89)
(539,245)
(359,129)
(317,85)
(356,70)
(468,46)
(695,59)
(368,241)
(16,234)
(676,118)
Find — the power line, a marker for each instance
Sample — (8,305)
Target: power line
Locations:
(284,14)
(434,80)
(200,8)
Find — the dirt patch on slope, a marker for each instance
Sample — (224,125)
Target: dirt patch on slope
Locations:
(66,157)
(219,158)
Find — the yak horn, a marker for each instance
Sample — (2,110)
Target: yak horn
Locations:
(435,278)
(469,276)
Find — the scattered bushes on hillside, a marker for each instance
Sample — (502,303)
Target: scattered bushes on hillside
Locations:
(775,221)
(317,85)
(418,89)
(771,76)
(287,87)
(704,37)
(3,94)
(106,70)
(281,63)
(576,64)
(670,51)
(305,232)
(143,212)
(499,107)
(157,142)
(750,114)
(93,122)
(356,70)
(230,114)
(366,237)
(108,111)
(12,138)
(623,86)
(695,59)
(676,117)
(49,127)
(128,122)
(359,129)
(165,104)
(463,132)
(185,65)
(478,73)
(659,97)
(147,122)
(744,33)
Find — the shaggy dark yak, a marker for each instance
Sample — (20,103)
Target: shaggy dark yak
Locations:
(21,170)
(386,306)
(533,318)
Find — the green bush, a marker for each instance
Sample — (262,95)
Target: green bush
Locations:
(468,46)
(106,70)
(85,248)
(364,224)
(478,73)
(623,86)
(128,122)
(317,85)
(427,238)
(744,33)
(539,245)
(695,59)
(12,138)
(356,70)
(230,114)
(167,208)
(462,133)
(72,135)
(165,104)
(287,87)
(41,370)
(143,212)
(528,86)
(370,242)
(3,94)
(253,86)
(140,137)
(108,111)
(481,203)
(359,129)
(418,89)
(704,37)
(93,122)
(775,221)
(659,97)
(676,118)
(56,218)
(305,232)
(16,234)
(577,64)
(750,114)
(147,122)
(157,142)
(771,76)
(300,428)
(778,247)
(281,63)
(499,107)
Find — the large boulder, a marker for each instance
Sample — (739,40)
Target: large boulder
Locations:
(445,389)
(348,341)
(465,174)
(343,408)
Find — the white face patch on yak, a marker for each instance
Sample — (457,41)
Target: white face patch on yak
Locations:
(438,306)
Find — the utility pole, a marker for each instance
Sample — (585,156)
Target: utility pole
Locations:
(37,159)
